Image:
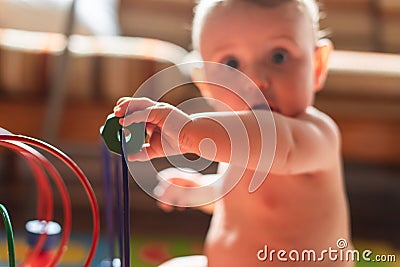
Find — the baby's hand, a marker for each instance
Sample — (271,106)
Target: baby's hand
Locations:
(163,125)
(171,192)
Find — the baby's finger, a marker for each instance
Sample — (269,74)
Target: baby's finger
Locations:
(161,191)
(140,104)
(123,99)
(169,198)
(165,207)
(148,152)
(150,128)
(130,105)
(142,155)
(121,106)
(169,173)
(136,117)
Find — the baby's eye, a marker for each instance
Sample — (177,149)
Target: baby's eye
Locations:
(279,57)
(232,62)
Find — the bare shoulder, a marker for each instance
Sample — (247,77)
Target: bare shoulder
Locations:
(320,120)
(307,143)
(324,124)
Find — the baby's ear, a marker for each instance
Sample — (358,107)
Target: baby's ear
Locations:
(321,58)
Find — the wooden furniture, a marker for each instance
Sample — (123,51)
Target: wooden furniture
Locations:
(100,70)
(362,94)
(362,25)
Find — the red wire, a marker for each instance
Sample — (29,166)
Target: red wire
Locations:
(67,211)
(45,196)
(34,155)
(45,200)
(81,176)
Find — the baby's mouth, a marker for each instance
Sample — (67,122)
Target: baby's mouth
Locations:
(264,106)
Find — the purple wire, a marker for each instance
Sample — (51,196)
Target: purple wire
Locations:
(126,208)
(119,209)
(109,201)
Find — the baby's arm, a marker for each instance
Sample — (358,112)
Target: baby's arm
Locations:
(307,143)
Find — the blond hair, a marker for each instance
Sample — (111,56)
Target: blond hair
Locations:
(205,6)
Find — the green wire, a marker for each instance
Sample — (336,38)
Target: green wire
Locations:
(10,235)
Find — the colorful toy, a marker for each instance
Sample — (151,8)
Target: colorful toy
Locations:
(43,233)
(119,140)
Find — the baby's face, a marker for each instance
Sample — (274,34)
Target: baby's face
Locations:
(274,47)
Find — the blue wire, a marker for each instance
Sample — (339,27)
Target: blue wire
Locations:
(126,206)
(109,203)
(119,207)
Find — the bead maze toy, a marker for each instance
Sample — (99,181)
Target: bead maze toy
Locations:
(120,141)
(47,239)
(43,234)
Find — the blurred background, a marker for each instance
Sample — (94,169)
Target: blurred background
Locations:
(63,65)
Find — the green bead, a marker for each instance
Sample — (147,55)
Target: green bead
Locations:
(135,134)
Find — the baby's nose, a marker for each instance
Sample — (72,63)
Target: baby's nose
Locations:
(259,77)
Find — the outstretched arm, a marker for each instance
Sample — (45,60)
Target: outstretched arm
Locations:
(307,143)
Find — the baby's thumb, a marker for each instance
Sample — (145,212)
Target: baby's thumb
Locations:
(142,155)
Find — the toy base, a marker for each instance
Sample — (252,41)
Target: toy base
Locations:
(189,261)
(108,263)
